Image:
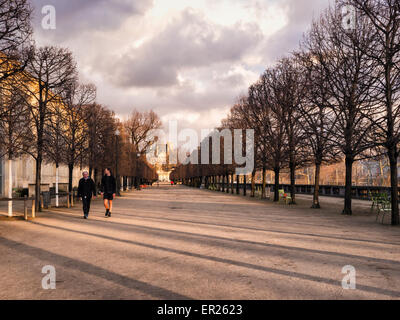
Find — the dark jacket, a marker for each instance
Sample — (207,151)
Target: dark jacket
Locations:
(108,185)
(86,188)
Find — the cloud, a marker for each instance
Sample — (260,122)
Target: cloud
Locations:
(188,60)
(300,14)
(189,41)
(79,17)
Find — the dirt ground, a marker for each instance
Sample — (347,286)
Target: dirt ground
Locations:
(173,242)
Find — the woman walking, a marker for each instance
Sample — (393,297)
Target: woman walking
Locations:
(108,191)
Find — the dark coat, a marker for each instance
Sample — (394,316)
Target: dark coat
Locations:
(86,188)
(108,185)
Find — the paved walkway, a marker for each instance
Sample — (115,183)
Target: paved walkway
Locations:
(181,243)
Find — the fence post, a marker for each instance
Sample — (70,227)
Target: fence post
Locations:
(25,208)
(41,202)
(33,209)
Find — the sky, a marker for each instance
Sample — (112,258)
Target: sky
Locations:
(187,60)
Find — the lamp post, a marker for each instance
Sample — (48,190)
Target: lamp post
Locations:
(117,133)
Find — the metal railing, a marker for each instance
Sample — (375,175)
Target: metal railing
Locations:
(25,200)
(358,192)
(44,201)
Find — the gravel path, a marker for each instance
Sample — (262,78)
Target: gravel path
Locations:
(181,243)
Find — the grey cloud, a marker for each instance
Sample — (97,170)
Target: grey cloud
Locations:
(187,42)
(76,17)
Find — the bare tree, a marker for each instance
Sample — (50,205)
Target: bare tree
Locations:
(96,116)
(273,127)
(138,126)
(384,52)
(317,118)
(14,128)
(15,36)
(287,93)
(245,115)
(75,97)
(46,77)
(101,126)
(55,146)
(351,84)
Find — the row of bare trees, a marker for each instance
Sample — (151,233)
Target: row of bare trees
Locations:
(336,97)
(47,113)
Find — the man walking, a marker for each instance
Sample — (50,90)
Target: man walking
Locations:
(86,190)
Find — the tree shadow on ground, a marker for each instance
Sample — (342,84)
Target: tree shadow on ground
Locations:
(292,274)
(38,253)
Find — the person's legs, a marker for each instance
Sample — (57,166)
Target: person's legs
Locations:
(88,200)
(106,205)
(111,205)
(86,206)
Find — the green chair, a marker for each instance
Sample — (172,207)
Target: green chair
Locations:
(284,197)
(384,207)
(375,201)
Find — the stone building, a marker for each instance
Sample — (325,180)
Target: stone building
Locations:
(23,171)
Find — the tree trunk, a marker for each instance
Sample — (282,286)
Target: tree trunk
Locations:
(226,179)
(95,177)
(245,185)
(264,184)
(57,181)
(70,178)
(226,183)
(276,191)
(293,182)
(232,183)
(38,182)
(349,186)
(393,158)
(10,187)
(253,184)
(316,204)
